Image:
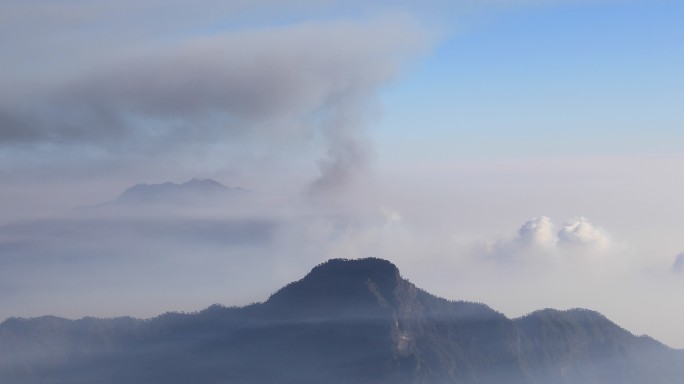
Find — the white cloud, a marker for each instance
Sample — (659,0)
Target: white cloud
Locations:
(579,232)
(537,232)
(538,241)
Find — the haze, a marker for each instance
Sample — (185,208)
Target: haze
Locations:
(525,154)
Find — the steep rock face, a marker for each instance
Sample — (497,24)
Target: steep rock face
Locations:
(346,321)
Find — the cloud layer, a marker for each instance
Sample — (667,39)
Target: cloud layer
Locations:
(282,87)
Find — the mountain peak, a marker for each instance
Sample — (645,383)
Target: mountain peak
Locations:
(203,183)
(346,321)
(342,284)
(190,192)
(370,267)
(168,185)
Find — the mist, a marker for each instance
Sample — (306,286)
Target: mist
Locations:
(157,160)
(200,252)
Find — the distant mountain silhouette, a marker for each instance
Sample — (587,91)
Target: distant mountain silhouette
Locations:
(347,321)
(192,193)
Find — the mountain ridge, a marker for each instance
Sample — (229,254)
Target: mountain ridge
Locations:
(345,321)
(195,192)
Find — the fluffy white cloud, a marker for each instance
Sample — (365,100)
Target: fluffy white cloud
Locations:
(537,232)
(580,232)
(538,239)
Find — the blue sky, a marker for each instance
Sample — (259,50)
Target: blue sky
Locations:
(570,79)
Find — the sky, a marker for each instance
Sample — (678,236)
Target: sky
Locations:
(523,153)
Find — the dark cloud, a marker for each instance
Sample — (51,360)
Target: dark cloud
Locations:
(278,85)
(289,73)
(14,127)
